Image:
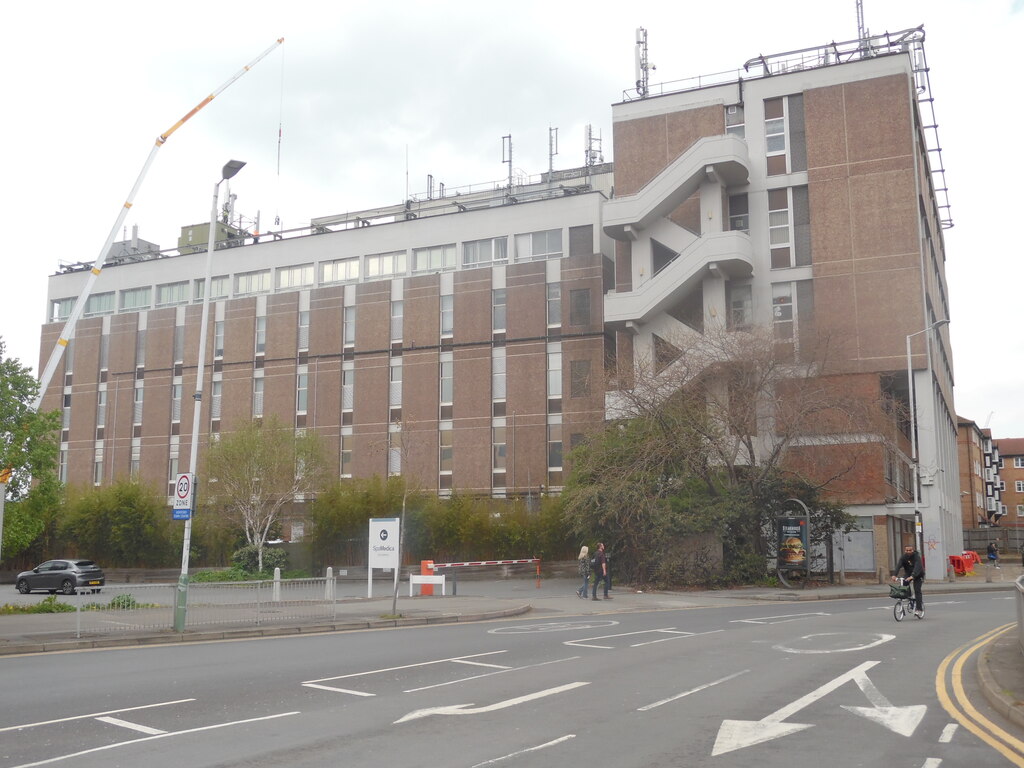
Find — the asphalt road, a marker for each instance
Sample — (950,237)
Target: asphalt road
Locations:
(790,685)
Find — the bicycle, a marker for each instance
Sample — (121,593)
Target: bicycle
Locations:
(905,601)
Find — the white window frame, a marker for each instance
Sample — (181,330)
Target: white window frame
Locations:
(249,283)
(339,271)
(134,299)
(481,253)
(381,265)
(435,258)
(171,294)
(297,276)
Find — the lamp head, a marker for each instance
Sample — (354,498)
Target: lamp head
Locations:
(231,168)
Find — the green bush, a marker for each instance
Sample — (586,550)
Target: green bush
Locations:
(47,605)
(247,560)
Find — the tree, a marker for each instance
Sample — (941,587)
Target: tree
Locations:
(706,438)
(255,472)
(121,525)
(28,450)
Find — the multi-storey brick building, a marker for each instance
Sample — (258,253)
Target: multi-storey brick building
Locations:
(980,483)
(797,193)
(1011,476)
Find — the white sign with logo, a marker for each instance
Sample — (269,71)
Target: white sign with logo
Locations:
(383,548)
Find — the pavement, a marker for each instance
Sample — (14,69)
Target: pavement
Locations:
(1000,662)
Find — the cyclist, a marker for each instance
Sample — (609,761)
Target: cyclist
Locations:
(913,566)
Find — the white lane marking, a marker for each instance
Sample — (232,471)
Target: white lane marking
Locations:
(105,747)
(775,619)
(947,733)
(525,751)
(670,699)
(335,689)
(678,634)
(316,683)
(880,638)
(737,734)
(130,726)
(588,642)
(94,714)
(480,664)
(469,709)
(932,762)
(489,674)
(551,626)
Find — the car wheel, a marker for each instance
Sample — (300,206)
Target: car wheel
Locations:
(67,587)
(23,587)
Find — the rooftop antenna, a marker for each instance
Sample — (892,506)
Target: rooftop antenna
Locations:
(592,147)
(552,150)
(862,32)
(643,67)
(506,157)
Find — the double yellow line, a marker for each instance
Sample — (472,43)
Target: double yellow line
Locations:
(962,710)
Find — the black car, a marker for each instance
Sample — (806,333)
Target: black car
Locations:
(67,576)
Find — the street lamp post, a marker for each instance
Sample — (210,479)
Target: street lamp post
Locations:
(181,603)
(918,527)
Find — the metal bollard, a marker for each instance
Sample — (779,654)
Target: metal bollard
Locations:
(276,594)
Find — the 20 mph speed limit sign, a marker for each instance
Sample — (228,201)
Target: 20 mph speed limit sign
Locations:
(184,492)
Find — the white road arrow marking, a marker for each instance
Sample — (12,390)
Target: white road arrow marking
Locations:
(737,734)
(469,709)
(901,720)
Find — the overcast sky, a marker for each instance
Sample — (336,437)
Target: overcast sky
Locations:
(372,97)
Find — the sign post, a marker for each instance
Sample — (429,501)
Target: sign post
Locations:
(383,549)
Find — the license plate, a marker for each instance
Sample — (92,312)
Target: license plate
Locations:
(95,581)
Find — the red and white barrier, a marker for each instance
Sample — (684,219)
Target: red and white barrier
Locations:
(440,566)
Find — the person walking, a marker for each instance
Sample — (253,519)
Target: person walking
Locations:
(913,566)
(993,554)
(600,571)
(584,569)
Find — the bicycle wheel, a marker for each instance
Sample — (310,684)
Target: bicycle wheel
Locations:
(899,610)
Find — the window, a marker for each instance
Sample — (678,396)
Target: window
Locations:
(346,455)
(554,374)
(134,299)
(498,449)
(101,408)
(135,462)
(579,306)
(498,373)
(257,398)
(793,312)
(447,388)
(539,245)
(176,402)
(1020,510)
(579,378)
(444,440)
(739,213)
(479,253)
(341,270)
(435,258)
(301,392)
(137,406)
(554,447)
(218,338)
(775,135)
(348,381)
(348,324)
(99,304)
(741,306)
(554,305)
(216,388)
(394,452)
(249,283)
(395,384)
(219,288)
(385,264)
(62,464)
(1018,462)
(1019,486)
(61,309)
(734,120)
(97,467)
(303,340)
(140,349)
(779,235)
(447,314)
(396,320)
(169,294)
(300,276)
(499,314)
(261,335)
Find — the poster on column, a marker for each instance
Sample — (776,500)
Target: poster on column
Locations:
(383,551)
